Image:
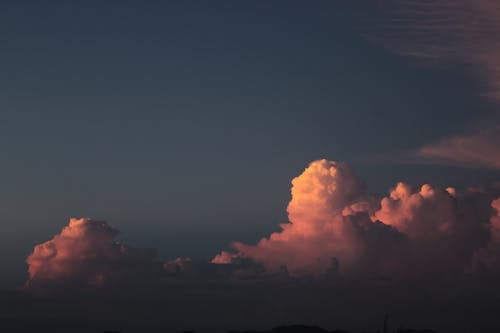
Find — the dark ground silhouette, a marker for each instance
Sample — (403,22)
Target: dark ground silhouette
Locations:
(355,306)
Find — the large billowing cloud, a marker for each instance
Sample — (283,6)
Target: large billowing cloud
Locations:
(412,232)
(85,255)
(463,32)
(326,222)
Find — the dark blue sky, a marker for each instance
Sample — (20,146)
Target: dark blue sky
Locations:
(182,123)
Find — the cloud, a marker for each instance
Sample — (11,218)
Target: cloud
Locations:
(224,267)
(444,228)
(442,32)
(319,231)
(225,258)
(487,259)
(410,233)
(495,221)
(447,31)
(84,255)
(474,150)
(335,227)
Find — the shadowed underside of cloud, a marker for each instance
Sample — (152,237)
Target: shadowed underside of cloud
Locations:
(410,233)
(463,32)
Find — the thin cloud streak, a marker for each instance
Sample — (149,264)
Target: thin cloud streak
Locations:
(461,32)
(476,150)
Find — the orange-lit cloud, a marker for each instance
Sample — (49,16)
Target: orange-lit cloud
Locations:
(411,232)
(85,255)
(328,219)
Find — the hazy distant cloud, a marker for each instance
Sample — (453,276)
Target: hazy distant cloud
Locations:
(460,31)
(463,32)
(224,268)
(85,255)
(444,228)
(422,232)
(488,258)
(476,150)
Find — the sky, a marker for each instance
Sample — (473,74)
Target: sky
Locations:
(240,165)
(183,123)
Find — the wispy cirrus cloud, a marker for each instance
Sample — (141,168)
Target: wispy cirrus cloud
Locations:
(459,32)
(480,149)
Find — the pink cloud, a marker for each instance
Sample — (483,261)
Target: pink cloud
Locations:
(411,232)
(85,255)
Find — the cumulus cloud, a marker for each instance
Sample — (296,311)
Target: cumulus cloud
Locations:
(320,227)
(463,32)
(443,228)
(85,255)
(412,232)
